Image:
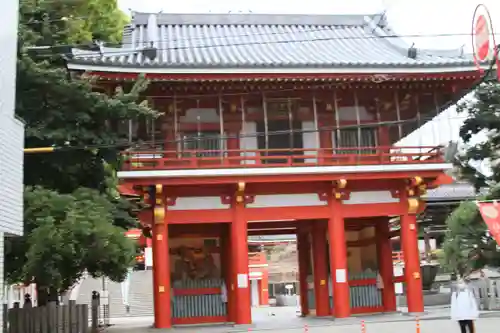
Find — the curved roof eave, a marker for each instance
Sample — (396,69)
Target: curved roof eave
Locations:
(380,69)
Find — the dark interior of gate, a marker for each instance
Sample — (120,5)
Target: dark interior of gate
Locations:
(201,268)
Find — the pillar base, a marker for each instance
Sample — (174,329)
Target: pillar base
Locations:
(414,314)
(161,329)
(243,326)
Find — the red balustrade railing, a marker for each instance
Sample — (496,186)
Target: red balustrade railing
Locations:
(209,159)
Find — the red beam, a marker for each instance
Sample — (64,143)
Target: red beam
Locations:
(278,224)
(202,216)
(280,188)
(299,178)
(272,232)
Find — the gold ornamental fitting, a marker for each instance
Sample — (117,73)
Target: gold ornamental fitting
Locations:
(338,195)
(417,180)
(159,189)
(413,205)
(239,198)
(241,186)
(341,183)
(159,214)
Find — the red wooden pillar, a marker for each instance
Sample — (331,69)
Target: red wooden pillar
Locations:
(264,287)
(385,266)
(304,264)
(320,270)
(161,264)
(239,258)
(409,239)
(338,260)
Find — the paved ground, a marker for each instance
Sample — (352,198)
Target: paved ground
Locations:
(285,318)
(427,326)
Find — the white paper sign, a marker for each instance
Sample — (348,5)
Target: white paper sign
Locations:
(242,281)
(148,257)
(340,276)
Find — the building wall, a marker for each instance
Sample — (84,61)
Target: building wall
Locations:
(11,133)
(11,174)
(11,129)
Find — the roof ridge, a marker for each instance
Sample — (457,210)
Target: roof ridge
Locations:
(140,18)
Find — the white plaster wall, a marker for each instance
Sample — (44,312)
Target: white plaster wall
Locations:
(370,197)
(248,140)
(286,200)
(283,200)
(310,140)
(192,203)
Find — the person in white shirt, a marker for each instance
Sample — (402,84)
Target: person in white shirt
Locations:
(464,308)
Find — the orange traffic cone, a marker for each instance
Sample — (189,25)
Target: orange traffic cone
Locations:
(363,327)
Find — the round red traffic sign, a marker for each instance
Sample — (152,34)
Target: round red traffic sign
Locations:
(482,37)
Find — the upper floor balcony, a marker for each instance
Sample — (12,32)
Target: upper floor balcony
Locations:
(298,132)
(279,158)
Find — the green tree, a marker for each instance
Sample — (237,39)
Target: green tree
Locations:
(468,245)
(65,235)
(74,218)
(483,118)
(49,22)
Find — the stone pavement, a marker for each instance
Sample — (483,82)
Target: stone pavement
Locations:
(285,318)
(426,326)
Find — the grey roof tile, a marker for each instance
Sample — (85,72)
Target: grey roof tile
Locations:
(454,191)
(264,41)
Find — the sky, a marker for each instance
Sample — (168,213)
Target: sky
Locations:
(405,17)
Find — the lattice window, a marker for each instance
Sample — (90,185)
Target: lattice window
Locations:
(201,144)
(349,138)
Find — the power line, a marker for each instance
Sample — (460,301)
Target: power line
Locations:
(129,144)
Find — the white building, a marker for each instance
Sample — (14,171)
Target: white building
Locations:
(11,132)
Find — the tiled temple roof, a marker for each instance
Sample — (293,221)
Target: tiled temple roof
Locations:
(457,191)
(264,41)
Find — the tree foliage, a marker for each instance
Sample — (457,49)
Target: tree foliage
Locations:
(468,245)
(483,111)
(74,219)
(49,22)
(65,233)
